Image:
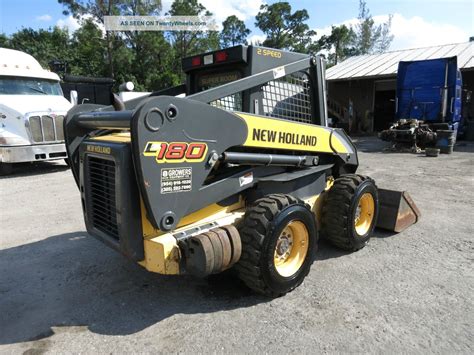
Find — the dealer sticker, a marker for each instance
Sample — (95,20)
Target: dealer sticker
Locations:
(176,180)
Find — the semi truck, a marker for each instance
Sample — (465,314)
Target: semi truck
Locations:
(430,91)
(428,100)
(32,110)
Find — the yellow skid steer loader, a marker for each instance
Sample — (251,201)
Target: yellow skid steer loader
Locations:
(240,172)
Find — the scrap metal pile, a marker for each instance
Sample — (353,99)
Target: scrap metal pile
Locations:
(410,135)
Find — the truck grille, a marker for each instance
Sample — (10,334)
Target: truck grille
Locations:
(102,195)
(46,128)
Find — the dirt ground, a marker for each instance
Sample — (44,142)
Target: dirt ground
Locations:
(63,291)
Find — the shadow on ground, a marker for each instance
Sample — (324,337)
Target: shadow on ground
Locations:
(36,168)
(370,144)
(73,280)
(327,251)
(464,146)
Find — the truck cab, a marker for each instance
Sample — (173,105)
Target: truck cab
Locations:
(430,91)
(32,110)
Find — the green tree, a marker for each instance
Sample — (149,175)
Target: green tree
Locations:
(4,41)
(369,37)
(233,32)
(44,45)
(152,54)
(284,29)
(386,37)
(187,43)
(138,7)
(96,9)
(90,50)
(338,43)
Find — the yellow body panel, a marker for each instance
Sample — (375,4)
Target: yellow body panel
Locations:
(316,201)
(119,137)
(161,255)
(268,132)
(202,216)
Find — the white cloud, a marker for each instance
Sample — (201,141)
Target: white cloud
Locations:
(416,32)
(245,10)
(254,39)
(45,18)
(70,23)
(326,31)
(412,32)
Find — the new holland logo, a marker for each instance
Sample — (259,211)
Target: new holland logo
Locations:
(98,149)
(176,152)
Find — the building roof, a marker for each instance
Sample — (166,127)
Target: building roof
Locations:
(386,64)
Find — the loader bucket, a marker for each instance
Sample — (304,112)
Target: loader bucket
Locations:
(397,210)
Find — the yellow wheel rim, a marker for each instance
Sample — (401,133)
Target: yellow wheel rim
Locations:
(291,248)
(364,214)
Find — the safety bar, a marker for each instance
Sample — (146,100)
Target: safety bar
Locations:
(121,119)
(249,82)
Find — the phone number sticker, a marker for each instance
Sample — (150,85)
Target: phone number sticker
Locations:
(176,180)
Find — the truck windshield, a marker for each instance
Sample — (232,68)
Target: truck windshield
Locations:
(28,86)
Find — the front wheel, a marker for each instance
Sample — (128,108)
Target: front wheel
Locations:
(279,240)
(349,213)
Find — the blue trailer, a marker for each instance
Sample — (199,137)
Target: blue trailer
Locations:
(430,91)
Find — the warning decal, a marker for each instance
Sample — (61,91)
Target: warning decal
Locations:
(176,180)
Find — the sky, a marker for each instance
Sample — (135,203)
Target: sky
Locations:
(416,23)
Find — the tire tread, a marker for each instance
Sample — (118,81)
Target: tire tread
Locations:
(335,214)
(253,231)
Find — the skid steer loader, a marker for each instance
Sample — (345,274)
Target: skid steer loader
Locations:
(241,173)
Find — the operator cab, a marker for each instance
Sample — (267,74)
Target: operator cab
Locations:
(293,97)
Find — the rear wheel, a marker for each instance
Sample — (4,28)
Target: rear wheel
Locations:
(350,212)
(279,240)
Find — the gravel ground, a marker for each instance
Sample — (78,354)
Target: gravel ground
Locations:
(63,291)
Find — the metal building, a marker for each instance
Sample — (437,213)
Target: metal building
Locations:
(363,87)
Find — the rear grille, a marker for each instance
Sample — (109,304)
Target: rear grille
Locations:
(46,128)
(102,195)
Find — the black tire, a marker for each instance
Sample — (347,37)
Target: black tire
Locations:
(6,169)
(338,219)
(260,230)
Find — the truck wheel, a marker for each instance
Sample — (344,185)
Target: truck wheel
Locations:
(6,169)
(349,213)
(279,240)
